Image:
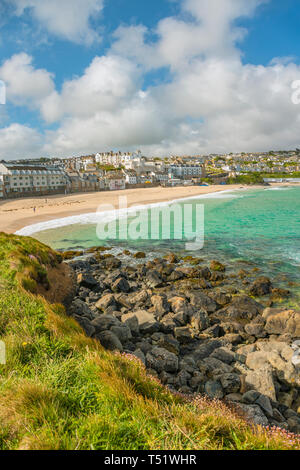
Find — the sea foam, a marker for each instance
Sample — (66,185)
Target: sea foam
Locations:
(110,215)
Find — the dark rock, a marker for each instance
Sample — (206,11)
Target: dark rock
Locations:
(86,325)
(130,320)
(80,308)
(161,305)
(213,331)
(160,360)
(169,343)
(251,396)
(242,307)
(201,301)
(206,349)
(140,355)
(254,414)
(122,332)
(183,334)
(199,321)
(265,404)
(230,382)
(153,279)
(120,285)
(109,341)
(112,263)
(86,280)
(105,322)
(214,389)
(224,355)
(261,286)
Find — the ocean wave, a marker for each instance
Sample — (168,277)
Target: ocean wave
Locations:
(110,215)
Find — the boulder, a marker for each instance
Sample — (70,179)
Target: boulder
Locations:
(112,263)
(86,325)
(261,286)
(256,329)
(169,343)
(231,383)
(86,280)
(253,414)
(131,321)
(153,279)
(217,266)
(122,332)
(262,381)
(80,308)
(120,285)
(202,302)
(287,321)
(146,321)
(109,341)
(106,301)
(199,321)
(242,307)
(105,322)
(140,355)
(213,389)
(161,305)
(160,360)
(206,349)
(183,334)
(216,367)
(224,354)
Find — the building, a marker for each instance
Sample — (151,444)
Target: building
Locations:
(185,171)
(31,179)
(115,181)
(130,177)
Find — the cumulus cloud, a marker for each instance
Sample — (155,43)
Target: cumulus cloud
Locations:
(212,102)
(18,141)
(105,85)
(25,85)
(67,19)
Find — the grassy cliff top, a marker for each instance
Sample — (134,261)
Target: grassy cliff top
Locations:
(62,390)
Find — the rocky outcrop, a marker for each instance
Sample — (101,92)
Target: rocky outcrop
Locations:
(194,331)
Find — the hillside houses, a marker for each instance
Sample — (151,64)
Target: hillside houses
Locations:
(98,172)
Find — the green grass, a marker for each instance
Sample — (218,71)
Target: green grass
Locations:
(61,390)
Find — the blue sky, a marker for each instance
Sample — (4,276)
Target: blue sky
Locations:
(157,76)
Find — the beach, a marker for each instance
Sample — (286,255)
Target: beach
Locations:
(18,213)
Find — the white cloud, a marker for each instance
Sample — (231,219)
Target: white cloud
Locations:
(105,85)
(17,141)
(24,83)
(67,19)
(212,101)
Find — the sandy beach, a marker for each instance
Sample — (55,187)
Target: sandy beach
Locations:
(18,213)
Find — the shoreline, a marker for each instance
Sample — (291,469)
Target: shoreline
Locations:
(16,214)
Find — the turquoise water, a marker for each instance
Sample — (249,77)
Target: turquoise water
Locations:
(255,226)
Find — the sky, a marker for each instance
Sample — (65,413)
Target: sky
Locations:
(168,77)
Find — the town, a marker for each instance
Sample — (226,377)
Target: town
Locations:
(111,171)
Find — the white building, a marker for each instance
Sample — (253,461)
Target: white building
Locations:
(130,177)
(26,178)
(185,170)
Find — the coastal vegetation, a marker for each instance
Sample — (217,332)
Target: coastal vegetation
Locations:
(62,390)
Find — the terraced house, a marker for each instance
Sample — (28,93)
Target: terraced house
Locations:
(27,180)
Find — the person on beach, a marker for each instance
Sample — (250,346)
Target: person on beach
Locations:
(34,209)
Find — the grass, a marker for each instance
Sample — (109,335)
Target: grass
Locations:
(61,390)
